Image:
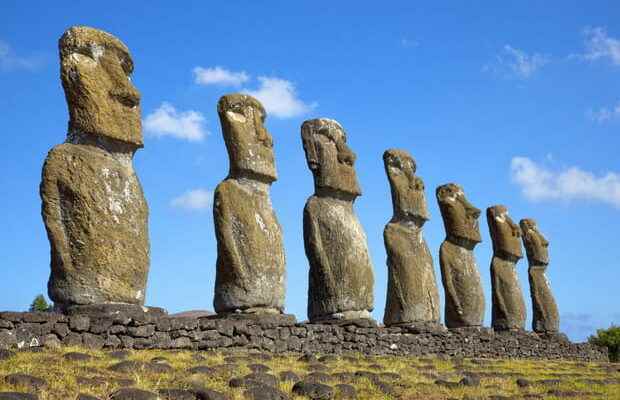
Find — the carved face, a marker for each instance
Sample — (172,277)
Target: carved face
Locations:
(249,145)
(535,243)
(505,234)
(329,158)
(95,70)
(460,218)
(407,189)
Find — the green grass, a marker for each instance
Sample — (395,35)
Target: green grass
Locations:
(417,375)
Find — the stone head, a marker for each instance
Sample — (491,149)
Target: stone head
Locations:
(407,189)
(505,234)
(329,158)
(536,246)
(95,69)
(459,216)
(249,145)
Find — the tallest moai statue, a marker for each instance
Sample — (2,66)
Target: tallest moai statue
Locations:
(93,206)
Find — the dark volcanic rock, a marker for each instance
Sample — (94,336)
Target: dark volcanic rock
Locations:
(264,393)
(5,354)
(133,394)
(176,394)
(74,356)
(18,396)
(289,376)
(29,381)
(345,391)
(313,390)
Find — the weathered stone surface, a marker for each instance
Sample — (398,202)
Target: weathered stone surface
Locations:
(412,294)
(93,206)
(133,394)
(546,318)
(17,396)
(341,277)
(464,296)
(102,101)
(508,305)
(251,268)
(260,332)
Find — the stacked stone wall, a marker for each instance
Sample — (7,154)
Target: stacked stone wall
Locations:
(278,334)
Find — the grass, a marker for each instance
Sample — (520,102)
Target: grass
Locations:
(417,375)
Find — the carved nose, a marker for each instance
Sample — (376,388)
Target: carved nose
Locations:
(345,155)
(129,97)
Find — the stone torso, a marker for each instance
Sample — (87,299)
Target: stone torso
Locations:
(251,261)
(461,280)
(546,316)
(341,276)
(412,290)
(96,218)
(508,304)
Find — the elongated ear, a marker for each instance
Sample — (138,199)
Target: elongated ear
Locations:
(310,144)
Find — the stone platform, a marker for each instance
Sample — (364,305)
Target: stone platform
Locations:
(154,329)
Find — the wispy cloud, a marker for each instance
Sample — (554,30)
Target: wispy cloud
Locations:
(516,63)
(539,183)
(604,114)
(193,200)
(601,46)
(167,121)
(279,98)
(408,43)
(219,76)
(11,61)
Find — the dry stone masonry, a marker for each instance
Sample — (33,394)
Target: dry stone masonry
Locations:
(412,295)
(92,202)
(459,273)
(546,318)
(128,329)
(250,255)
(508,304)
(341,275)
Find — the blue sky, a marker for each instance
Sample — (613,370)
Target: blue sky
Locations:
(519,103)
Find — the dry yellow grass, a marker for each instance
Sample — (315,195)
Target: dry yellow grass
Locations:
(417,375)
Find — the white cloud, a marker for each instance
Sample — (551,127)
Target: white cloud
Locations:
(219,76)
(540,183)
(10,61)
(514,62)
(599,45)
(197,199)
(167,121)
(407,43)
(279,98)
(605,114)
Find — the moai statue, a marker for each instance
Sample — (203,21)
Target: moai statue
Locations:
(251,267)
(508,304)
(341,276)
(546,318)
(412,296)
(93,206)
(459,272)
